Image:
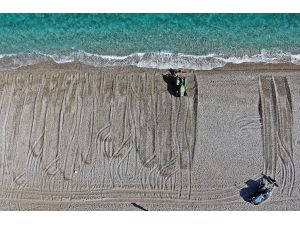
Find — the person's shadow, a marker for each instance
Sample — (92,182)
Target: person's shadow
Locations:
(170,79)
(252,186)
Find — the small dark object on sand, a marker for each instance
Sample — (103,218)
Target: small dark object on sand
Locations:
(138,206)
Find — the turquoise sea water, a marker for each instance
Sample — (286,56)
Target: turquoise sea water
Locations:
(200,41)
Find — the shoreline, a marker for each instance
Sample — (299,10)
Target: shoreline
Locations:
(228,67)
(160,60)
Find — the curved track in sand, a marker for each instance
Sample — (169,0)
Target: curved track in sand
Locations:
(277,120)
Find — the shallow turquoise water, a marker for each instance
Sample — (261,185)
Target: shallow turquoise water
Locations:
(124,34)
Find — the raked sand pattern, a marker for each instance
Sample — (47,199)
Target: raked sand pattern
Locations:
(74,137)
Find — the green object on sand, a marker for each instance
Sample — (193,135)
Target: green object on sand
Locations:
(181,82)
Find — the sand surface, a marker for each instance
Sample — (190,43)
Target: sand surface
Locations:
(73,137)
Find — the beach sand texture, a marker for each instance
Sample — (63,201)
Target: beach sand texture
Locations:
(74,137)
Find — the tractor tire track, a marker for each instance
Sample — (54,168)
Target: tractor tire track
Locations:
(284,134)
(269,121)
(277,120)
(163,159)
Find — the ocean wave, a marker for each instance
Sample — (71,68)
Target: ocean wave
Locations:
(160,60)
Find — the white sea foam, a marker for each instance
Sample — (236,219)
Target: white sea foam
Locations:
(160,60)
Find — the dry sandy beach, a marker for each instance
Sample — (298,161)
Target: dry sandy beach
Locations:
(74,137)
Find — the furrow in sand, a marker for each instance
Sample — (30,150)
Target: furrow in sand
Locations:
(51,154)
(75,104)
(269,121)
(285,121)
(3,93)
(51,142)
(12,122)
(23,136)
(191,137)
(61,114)
(173,136)
(194,119)
(3,112)
(16,150)
(87,122)
(179,150)
(29,157)
(188,150)
(8,103)
(277,129)
(132,126)
(201,192)
(120,163)
(67,120)
(129,194)
(37,136)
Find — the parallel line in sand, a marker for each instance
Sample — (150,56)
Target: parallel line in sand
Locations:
(277,126)
(269,125)
(212,195)
(3,93)
(4,163)
(94,205)
(227,200)
(284,134)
